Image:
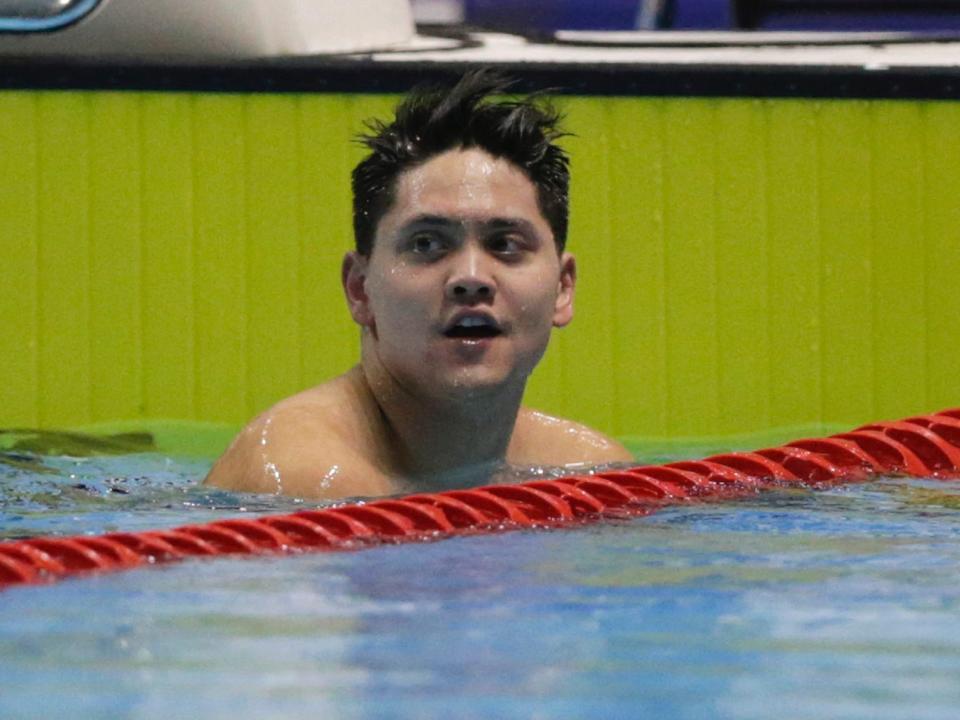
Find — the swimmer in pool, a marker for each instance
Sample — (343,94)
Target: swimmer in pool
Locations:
(458,277)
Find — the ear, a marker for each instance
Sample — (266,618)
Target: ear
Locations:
(563,308)
(353,277)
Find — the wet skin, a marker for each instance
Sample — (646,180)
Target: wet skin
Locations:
(456,304)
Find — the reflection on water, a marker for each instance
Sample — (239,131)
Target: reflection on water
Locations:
(840,603)
(23,445)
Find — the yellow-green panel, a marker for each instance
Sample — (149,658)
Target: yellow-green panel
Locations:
(115,220)
(898,288)
(273,249)
(220,258)
(941,240)
(64,339)
(793,261)
(637,271)
(845,206)
(691,303)
(19,175)
(169,323)
(745,264)
(743,278)
(587,353)
(328,339)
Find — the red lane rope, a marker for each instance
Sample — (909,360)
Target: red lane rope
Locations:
(923,446)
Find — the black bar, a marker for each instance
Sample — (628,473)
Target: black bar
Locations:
(326,74)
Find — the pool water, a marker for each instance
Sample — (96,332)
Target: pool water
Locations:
(840,603)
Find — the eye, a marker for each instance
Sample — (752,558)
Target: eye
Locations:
(506,244)
(425,243)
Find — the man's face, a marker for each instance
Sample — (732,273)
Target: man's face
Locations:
(464,282)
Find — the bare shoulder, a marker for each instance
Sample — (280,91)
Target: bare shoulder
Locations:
(542,439)
(303,446)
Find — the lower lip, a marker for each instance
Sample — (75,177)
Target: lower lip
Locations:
(473,342)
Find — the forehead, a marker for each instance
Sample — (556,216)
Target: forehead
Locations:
(467,184)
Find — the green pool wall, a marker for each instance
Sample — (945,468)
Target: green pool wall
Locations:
(746,265)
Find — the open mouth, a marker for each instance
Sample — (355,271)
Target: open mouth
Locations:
(475,328)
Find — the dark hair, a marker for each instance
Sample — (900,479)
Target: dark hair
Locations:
(432,120)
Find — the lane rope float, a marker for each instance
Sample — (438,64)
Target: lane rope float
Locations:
(922,446)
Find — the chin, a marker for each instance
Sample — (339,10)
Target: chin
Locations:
(474,382)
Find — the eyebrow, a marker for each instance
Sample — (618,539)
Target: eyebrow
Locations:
(495,223)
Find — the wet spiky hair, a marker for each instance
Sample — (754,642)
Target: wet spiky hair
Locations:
(432,120)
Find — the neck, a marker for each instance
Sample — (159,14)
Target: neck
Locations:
(442,440)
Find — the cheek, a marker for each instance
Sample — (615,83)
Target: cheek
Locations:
(397,303)
(536,306)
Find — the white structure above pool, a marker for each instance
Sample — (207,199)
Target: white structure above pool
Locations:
(220,29)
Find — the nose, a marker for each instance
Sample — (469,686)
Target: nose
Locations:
(470,280)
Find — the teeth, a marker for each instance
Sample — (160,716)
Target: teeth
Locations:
(473,322)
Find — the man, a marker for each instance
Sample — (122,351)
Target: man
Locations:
(458,277)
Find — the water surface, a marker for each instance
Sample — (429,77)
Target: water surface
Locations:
(803,604)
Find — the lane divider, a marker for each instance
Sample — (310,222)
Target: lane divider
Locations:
(922,446)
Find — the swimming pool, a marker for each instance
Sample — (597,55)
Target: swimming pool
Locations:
(839,603)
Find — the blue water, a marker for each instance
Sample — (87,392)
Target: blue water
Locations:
(803,604)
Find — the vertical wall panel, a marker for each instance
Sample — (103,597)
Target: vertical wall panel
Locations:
(167,237)
(115,220)
(637,269)
(64,386)
(743,345)
(219,257)
(273,232)
(793,254)
(898,289)
(745,264)
(941,208)
(587,357)
(845,207)
(328,338)
(19,279)
(689,227)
